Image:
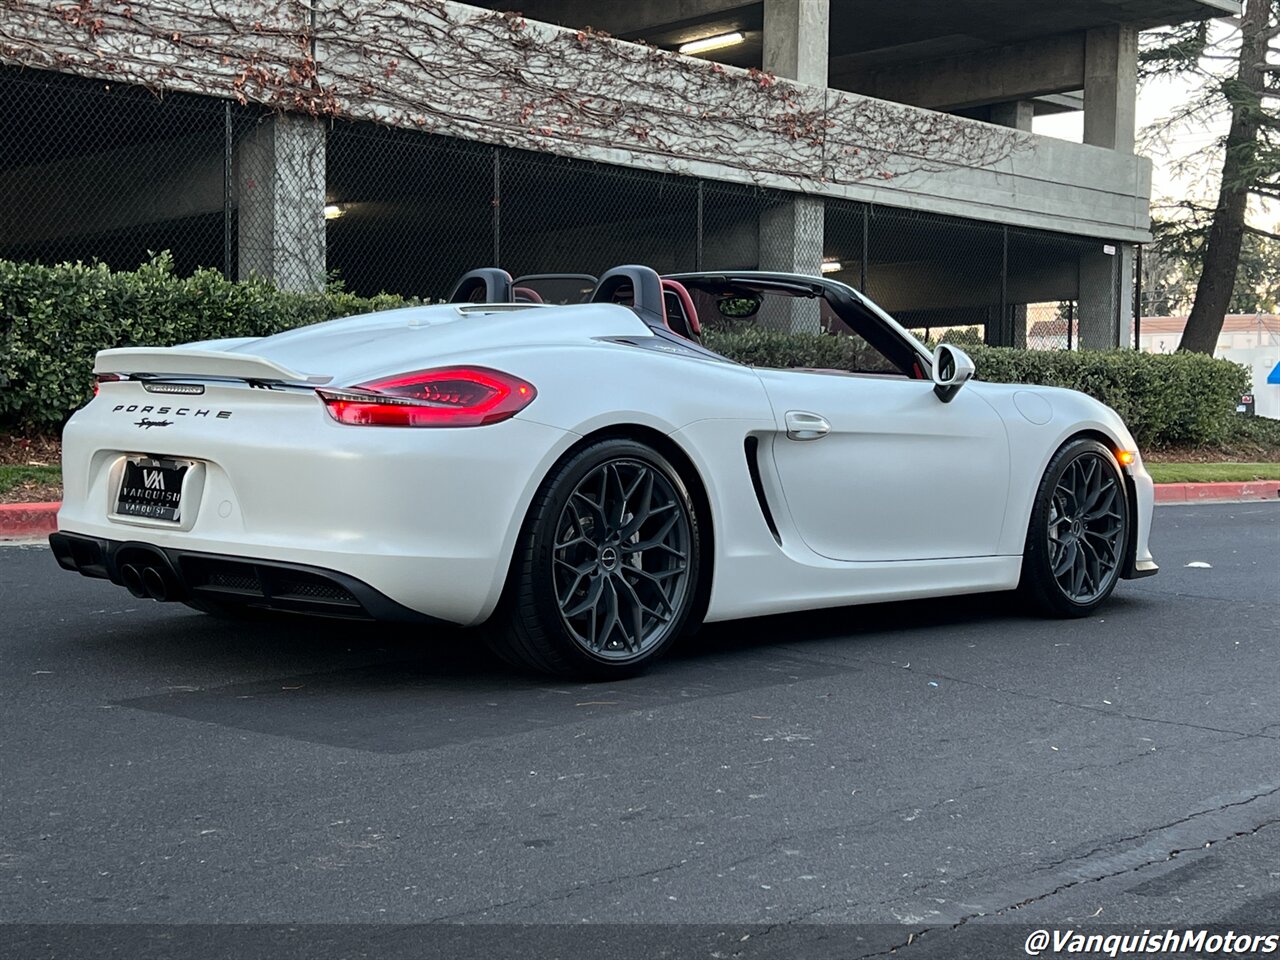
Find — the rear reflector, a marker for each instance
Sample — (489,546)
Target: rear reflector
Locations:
(101,378)
(446,397)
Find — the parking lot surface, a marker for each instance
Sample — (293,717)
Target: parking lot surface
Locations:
(841,783)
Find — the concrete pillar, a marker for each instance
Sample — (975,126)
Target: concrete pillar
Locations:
(791,234)
(1018,325)
(1018,114)
(280,194)
(1124,307)
(1098,313)
(1111,87)
(791,242)
(795,39)
(1007,328)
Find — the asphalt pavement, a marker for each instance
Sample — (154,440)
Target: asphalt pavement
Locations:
(914,776)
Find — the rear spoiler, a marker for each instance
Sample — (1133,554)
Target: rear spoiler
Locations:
(218,364)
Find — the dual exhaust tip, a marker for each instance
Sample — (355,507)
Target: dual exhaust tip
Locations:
(149,580)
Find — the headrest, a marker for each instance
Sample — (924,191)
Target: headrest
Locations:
(646,291)
(677,290)
(486,285)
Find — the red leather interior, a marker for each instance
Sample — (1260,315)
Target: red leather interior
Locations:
(686,305)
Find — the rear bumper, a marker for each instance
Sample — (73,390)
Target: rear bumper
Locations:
(427,518)
(233,581)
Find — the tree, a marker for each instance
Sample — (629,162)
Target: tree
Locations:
(1241,72)
(1172,264)
(1257,287)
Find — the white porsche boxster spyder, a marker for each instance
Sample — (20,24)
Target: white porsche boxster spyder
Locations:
(586,479)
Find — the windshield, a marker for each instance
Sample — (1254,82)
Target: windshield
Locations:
(874,342)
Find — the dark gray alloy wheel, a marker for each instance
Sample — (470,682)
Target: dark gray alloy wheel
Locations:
(1079,531)
(621,559)
(606,568)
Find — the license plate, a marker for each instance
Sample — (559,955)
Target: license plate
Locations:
(151,488)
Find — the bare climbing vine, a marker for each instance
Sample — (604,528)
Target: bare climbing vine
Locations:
(441,67)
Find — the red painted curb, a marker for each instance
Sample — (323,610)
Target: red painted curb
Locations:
(18,521)
(1206,492)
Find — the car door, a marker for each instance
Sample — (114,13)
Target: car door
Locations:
(877,468)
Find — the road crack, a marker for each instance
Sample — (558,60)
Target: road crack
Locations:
(917,933)
(565,893)
(1088,708)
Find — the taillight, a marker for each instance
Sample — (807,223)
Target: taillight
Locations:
(101,378)
(447,397)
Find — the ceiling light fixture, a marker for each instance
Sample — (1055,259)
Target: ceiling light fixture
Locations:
(717,42)
(332,211)
(832,266)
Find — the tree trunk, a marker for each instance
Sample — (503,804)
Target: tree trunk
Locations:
(1222,247)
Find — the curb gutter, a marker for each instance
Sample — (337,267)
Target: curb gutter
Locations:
(1208,492)
(24,521)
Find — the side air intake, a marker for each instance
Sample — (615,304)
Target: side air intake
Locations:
(752,449)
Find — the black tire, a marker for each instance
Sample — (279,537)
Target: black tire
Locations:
(632,562)
(1079,532)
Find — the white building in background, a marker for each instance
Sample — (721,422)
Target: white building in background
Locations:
(1249,339)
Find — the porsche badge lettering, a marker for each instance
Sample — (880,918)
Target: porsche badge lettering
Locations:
(146,423)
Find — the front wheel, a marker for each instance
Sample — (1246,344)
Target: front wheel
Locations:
(606,567)
(1078,532)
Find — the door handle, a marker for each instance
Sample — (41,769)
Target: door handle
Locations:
(806,426)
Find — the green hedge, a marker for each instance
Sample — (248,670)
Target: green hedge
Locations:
(1166,399)
(1174,399)
(765,348)
(53,319)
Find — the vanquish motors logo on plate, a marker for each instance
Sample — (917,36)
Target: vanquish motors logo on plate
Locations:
(152,488)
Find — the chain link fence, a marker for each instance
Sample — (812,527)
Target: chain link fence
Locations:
(407,213)
(95,171)
(90,170)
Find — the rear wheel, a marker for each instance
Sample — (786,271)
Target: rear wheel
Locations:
(1078,533)
(606,567)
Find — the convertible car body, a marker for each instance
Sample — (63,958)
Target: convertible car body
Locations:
(587,478)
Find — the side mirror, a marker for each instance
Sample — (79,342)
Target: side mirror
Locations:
(739,307)
(952,369)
